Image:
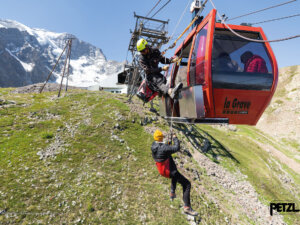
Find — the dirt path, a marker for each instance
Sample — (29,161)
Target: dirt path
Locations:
(292,164)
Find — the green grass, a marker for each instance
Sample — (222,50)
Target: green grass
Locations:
(278,101)
(282,145)
(291,142)
(94,179)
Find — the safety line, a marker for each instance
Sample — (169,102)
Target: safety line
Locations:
(186,29)
(262,10)
(249,39)
(179,21)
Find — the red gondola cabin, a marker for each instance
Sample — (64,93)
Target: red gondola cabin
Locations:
(226,79)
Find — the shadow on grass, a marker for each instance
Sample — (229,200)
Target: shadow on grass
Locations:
(200,140)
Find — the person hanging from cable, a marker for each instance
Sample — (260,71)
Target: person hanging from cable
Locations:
(162,155)
(149,60)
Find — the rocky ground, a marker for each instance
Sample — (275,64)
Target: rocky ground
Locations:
(35,88)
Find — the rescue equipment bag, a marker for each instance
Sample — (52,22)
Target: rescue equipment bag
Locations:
(145,93)
(164,168)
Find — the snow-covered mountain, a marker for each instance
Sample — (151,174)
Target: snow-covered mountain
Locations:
(27,55)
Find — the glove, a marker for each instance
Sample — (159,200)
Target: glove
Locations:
(165,68)
(174,60)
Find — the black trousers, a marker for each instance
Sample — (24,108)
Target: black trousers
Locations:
(158,83)
(186,187)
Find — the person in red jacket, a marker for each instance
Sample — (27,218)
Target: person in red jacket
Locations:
(253,63)
(162,154)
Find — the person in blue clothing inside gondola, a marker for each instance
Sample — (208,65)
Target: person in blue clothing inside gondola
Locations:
(149,61)
(224,63)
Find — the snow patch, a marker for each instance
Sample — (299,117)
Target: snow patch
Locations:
(57,51)
(15,24)
(88,71)
(44,37)
(28,67)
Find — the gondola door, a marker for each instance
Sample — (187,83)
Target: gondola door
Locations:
(196,100)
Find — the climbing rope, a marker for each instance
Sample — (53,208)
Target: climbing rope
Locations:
(185,30)
(179,21)
(171,123)
(249,39)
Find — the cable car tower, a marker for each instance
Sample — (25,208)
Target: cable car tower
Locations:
(155,32)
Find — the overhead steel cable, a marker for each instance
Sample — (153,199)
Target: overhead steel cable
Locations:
(179,21)
(153,8)
(281,18)
(156,11)
(271,7)
(161,8)
(249,39)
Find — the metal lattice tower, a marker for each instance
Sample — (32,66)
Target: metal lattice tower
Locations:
(155,32)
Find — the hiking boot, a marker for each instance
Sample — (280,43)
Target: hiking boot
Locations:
(172,196)
(190,211)
(175,90)
(153,110)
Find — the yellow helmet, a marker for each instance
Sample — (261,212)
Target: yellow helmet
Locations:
(158,135)
(141,44)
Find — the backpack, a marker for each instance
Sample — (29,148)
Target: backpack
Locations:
(145,93)
(164,168)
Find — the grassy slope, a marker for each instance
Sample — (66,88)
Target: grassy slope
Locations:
(98,180)
(95,180)
(262,171)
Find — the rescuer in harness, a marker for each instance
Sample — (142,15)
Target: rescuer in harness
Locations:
(162,154)
(149,60)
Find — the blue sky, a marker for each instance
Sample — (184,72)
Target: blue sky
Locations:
(106,24)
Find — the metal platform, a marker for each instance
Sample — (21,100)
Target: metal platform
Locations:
(193,121)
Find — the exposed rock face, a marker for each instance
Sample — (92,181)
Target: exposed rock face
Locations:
(27,56)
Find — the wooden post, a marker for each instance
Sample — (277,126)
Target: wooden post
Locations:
(42,88)
(63,74)
(68,71)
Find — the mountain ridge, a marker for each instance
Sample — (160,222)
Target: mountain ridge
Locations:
(28,55)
